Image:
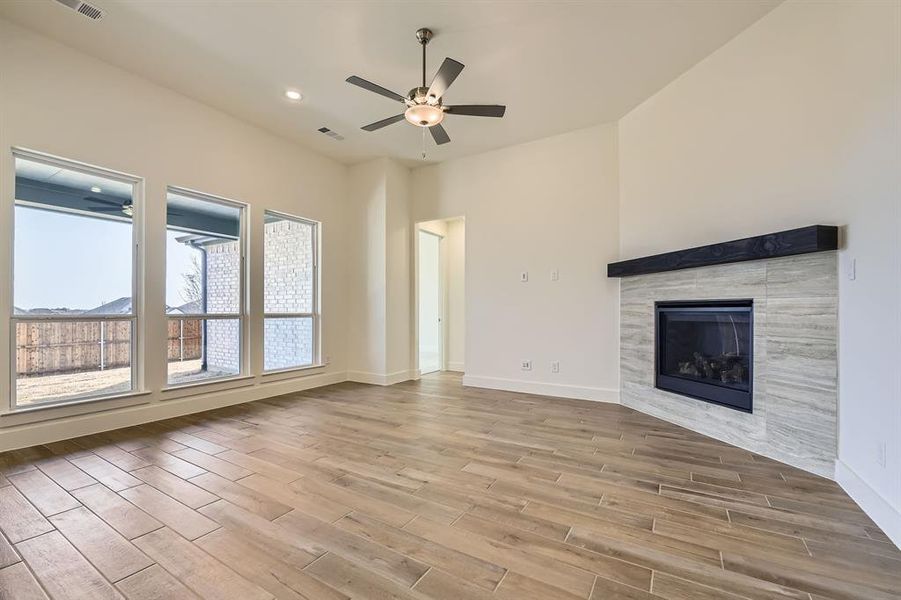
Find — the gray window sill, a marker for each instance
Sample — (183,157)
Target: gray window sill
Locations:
(296,371)
(208,385)
(47,412)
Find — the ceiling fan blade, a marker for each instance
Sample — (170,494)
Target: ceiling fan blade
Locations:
(477,110)
(368,85)
(383,122)
(445,77)
(439,134)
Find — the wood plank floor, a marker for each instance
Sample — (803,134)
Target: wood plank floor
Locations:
(427,490)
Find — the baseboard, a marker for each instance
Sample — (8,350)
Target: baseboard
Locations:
(382,379)
(558,390)
(877,508)
(32,434)
(455,366)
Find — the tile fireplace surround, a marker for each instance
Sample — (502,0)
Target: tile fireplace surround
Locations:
(795,355)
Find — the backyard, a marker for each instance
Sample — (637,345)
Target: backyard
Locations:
(54,388)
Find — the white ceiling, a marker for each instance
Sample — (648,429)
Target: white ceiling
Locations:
(558,66)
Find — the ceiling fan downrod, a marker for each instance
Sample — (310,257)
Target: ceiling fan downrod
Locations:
(423,36)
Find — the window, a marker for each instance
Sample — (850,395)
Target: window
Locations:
(291,293)
(204,287)
(74,323)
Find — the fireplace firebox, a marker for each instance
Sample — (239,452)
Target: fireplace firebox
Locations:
(705,350)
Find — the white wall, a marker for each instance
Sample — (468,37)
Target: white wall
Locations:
(796,121)
(455,294)
(366,268)
(399,248)
(544,205)
(380,247)
(59,101)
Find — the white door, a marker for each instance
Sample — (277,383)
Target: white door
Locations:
(430,338)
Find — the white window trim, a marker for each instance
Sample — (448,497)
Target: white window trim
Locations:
(316,362)
(240,316)
(137,274)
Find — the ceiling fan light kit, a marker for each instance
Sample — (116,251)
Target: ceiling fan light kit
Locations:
(424,115)
(424,103)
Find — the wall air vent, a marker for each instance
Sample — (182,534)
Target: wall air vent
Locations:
(332,134)
(89,10)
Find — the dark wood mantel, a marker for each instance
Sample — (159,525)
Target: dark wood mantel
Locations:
(814,238)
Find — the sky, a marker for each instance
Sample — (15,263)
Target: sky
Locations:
(68,261)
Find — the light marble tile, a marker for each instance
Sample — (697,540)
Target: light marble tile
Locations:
(795,355)
(809,275)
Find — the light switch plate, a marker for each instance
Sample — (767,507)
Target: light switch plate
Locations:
(524,276)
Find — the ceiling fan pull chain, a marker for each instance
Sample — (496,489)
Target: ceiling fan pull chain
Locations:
(423,142)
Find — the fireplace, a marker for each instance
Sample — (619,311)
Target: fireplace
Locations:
(705,350)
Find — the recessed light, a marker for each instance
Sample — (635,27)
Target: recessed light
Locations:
(293,95)
(96,189)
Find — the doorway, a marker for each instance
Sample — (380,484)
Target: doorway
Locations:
(440,318)
(431,304)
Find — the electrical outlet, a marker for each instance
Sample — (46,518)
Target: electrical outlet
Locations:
(524,276)
(555,275)
(880,453)
(555,366)
(525,365)
(328,359)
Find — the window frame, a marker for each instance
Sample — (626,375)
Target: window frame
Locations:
(315,316)
(241,315)
(137,277)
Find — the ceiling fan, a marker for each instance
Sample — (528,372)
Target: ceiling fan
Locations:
(111,206)
(126,207)
(424,104)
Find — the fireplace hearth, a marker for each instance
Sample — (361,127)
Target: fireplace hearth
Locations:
(705,350)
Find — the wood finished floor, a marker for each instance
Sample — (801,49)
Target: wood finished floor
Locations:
(426,490)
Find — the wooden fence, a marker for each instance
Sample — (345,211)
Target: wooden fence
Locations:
(45,347)
(185,339)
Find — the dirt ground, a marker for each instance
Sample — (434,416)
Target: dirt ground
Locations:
(54,388)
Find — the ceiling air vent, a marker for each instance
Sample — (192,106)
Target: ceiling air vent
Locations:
(332,134)
(88,10)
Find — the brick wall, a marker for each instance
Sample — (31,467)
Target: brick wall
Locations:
(288,288)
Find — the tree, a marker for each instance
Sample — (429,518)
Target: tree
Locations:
(192,284)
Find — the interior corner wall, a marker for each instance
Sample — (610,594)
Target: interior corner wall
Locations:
(379,327)
(367,271)
(399,249)
(57,100)
(796,121)
(536,207)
